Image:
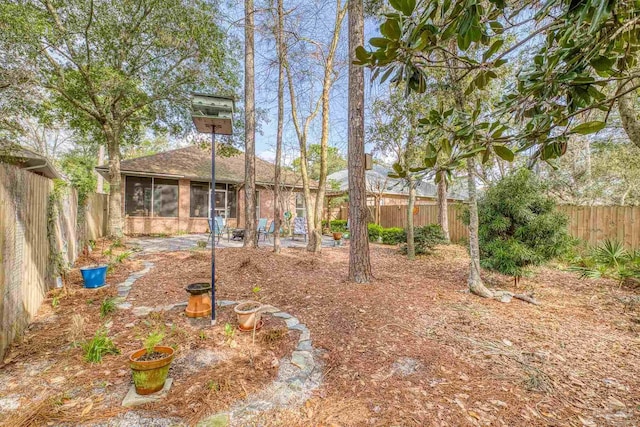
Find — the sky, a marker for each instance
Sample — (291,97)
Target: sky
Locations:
(313,20)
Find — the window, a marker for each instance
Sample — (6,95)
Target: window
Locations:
(137,201)
(232,201)
(165,197)
(199,200)
(257,204)
(300,210)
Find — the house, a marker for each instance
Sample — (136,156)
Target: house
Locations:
(383,190)
(28,160)
(169,192)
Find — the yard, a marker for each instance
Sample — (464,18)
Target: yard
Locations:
(412,348)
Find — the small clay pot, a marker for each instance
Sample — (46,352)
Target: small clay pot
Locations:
(337,235)
(149,376)
(248,314)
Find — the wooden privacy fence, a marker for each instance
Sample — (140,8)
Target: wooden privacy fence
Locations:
(396,216)
(39,233)
(591,224)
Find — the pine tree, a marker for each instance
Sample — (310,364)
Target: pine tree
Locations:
(520,226)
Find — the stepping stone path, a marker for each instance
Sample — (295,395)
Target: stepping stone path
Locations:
(125,287)
(298,375)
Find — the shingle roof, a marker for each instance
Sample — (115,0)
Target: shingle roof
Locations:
(377,180)
(195,163)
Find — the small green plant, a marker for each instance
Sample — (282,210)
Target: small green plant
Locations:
(92,244)
(118,259)
(107,306)
(425,239)
(107,252)
(117,243)
(202,244)
(229,331)
(609,260)
(55,302)
(256,290)
(99,346)
(203,335)
(152,340)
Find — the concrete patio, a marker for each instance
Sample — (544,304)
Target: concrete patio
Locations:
(190,241)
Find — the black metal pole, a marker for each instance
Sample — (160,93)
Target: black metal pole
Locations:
(212,213)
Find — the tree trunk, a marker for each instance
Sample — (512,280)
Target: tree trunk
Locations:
(100,187)
(315,240)
(359,261)
(628,113)
(475,281)
(276,191)
(115,183)
(411,246)
(250,235)
(443,206)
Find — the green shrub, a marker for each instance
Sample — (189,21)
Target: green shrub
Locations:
(374,231)
(425,238)
(609,260)
(99,346)
(519,225)
(338,225)
(393,236)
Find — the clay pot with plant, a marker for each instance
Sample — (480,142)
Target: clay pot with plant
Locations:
(249,315)
(150,365)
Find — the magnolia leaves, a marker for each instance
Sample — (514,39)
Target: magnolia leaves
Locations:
(404,6)
(588,127)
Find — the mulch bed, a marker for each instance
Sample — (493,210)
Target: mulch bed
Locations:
(570,361)
(55,384)
(411,348)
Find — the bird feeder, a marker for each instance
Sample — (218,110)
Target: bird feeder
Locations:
(214,115)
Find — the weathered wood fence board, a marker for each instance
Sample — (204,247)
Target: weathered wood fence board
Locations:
(26,272)
(593,224)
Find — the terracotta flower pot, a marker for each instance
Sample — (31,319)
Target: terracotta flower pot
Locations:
(248,314)
(149,375)
(337,235)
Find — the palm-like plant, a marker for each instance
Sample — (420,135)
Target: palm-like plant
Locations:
(609,260)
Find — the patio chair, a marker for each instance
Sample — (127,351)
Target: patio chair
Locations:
(271,231)
(216,227)
(299,228)
(262,226)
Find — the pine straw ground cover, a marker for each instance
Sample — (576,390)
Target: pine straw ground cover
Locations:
(47,373)
(414,348)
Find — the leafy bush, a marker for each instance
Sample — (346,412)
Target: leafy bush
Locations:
(338,225)
(99,346)
(393,236)
(609,260)
(374,231)
(519,225)
(425,238)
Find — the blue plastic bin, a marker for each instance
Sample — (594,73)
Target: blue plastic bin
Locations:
(94,277)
